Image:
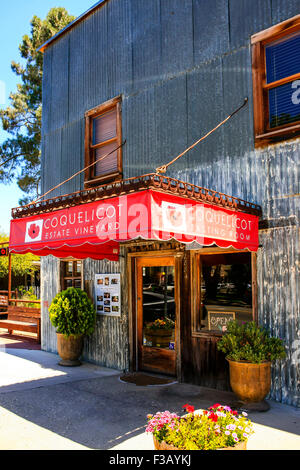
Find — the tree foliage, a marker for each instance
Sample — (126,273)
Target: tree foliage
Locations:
(20,153)
(20,264)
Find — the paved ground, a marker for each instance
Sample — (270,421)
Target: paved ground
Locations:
(45,406)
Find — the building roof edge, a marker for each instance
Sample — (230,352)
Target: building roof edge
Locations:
(44,46)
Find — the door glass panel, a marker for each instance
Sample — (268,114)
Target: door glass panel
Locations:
(159,307)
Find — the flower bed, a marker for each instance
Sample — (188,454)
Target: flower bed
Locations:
(219,427)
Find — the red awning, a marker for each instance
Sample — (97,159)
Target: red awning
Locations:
(95,230)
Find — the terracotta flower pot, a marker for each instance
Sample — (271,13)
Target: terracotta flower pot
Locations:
(70,349)
(159,338)
(164,446)
(250,382)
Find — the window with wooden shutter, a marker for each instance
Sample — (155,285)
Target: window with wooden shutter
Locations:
(102,141)
(276,82)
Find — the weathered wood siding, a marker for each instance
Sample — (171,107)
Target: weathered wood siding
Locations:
(181,66)
(50,286)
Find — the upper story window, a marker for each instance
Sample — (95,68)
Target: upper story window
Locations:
(102,136)
(276,82)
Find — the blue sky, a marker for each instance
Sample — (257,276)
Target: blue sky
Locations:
(15,19)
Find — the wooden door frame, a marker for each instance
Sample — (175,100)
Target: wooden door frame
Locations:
(132,302)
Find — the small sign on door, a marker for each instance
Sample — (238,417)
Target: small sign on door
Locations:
(218,320)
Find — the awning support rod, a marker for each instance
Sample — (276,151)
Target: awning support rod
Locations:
(163,168)
(76,174)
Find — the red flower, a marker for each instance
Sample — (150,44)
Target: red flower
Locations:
(33,231)
(216,405)
(213,417)
(234,413)
(189,408)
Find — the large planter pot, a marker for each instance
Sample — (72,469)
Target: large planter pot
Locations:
(159,338)
(164,446)
(70,349)
(250,382)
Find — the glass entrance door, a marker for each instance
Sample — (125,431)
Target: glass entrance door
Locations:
(156,315)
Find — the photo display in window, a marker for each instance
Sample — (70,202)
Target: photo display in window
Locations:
(108,294)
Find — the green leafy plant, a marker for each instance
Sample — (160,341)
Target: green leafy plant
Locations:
(250,342)
(216,428)
(161,324)
(72,313)
(27,294)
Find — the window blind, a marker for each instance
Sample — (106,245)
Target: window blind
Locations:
(282,61)
(105,127)
(108,164)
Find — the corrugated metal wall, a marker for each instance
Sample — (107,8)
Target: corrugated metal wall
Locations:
(108,345)
(181,66)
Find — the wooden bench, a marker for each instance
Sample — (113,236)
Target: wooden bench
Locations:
(3,301)
(23,319)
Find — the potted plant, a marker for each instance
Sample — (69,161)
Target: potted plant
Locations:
(218,428)
(250,350)
(160,332)
(73,315)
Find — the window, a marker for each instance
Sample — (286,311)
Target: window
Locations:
(102,137)
(71,274)
(276,82)
(223,290)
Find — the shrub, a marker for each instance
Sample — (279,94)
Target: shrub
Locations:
(72,313)
(250,342)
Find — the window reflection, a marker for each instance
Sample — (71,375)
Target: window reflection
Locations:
(159,307)
(226,290)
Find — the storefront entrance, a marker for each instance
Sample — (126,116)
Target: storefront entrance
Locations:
(156,314)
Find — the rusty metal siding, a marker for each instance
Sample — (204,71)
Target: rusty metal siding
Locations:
(278,304)
(283,10)
(181,66)
(247,18)
(211,31)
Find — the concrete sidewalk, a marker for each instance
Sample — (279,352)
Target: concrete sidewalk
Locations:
(44,406)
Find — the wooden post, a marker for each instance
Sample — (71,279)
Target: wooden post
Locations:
(254,286)
(9,278)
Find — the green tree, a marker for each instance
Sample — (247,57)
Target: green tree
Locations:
(20,153)
(20,264)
